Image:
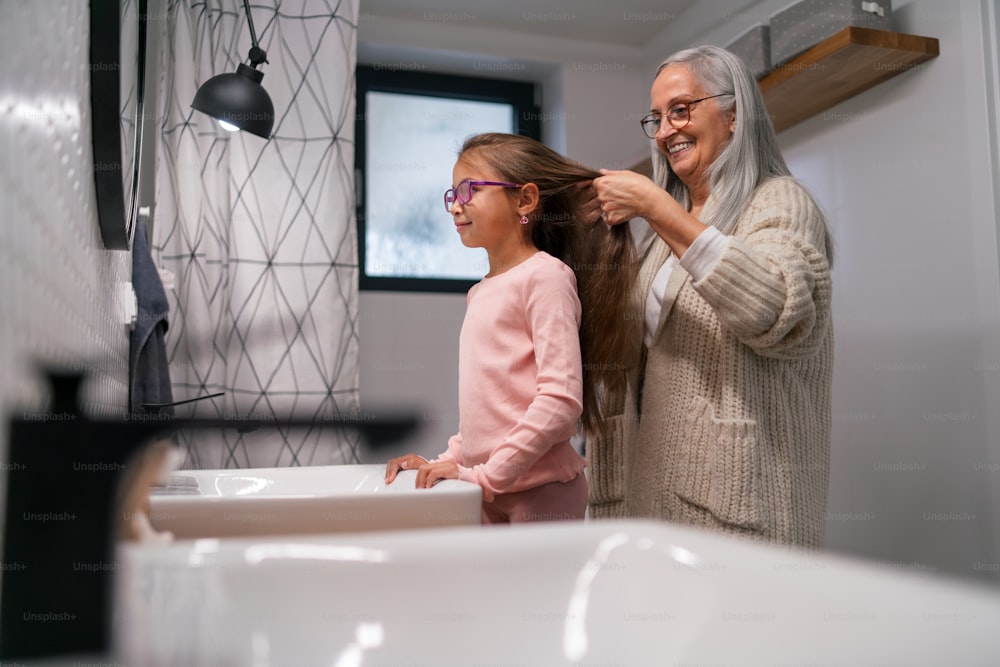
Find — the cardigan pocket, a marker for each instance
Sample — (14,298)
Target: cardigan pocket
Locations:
(720,469)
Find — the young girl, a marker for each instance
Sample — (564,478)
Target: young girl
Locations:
(531,357)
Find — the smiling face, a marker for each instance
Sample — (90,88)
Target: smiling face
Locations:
(691,149)
(490,219)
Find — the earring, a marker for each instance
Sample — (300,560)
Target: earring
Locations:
(524,219)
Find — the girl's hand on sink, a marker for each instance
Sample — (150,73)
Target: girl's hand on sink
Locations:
(407,462)
(430,474)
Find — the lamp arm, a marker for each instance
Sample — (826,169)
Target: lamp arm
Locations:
(257,54)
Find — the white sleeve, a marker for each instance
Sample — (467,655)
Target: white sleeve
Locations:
(704,253)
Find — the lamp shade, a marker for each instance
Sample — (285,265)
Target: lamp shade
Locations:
(238,99)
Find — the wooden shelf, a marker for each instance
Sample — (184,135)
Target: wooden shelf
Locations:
(840,67)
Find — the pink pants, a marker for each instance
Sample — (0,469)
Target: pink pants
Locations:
(555,501)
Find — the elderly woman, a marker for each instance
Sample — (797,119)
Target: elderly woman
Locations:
(726,419)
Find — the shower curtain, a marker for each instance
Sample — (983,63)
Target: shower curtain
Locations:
(256,238)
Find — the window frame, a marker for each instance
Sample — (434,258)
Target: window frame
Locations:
(373,78)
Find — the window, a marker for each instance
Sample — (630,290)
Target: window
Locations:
(410,128)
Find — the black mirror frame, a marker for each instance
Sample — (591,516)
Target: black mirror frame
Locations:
(117,210)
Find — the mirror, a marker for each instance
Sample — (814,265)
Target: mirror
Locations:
(117,82)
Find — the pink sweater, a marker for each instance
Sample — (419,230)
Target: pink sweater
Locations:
(519,379)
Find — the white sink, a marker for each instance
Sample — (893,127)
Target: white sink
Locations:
(317,499)
(595,593)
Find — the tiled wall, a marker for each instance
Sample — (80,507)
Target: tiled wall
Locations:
(58,285)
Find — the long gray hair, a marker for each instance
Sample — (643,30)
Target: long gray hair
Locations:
(751,155)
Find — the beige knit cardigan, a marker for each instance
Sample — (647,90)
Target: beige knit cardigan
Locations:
(734,427)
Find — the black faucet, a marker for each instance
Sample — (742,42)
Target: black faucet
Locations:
(64,475)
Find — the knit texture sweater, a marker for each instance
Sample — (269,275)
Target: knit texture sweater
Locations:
(520,379)
(726,421)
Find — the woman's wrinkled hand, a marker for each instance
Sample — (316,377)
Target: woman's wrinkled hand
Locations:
(624,195)
(407,462)
(430,474)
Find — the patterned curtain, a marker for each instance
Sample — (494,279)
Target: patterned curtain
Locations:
(256,238)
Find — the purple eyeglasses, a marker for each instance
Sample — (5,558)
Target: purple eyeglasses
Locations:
(462,193)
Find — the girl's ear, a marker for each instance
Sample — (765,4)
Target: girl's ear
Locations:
(527,199)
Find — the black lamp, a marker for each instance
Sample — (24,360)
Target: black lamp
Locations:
(237,100)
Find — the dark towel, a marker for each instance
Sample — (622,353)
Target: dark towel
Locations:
(149,376)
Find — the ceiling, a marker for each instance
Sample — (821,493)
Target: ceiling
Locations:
(623,22)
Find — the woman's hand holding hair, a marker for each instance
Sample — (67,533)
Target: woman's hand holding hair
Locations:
(407,462)
(624,195)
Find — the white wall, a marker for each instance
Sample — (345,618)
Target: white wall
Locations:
(906,175)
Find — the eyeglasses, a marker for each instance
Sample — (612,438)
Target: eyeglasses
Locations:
(679,115)
(462,193)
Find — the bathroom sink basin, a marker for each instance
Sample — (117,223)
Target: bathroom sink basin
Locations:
(594,593)
(316,499)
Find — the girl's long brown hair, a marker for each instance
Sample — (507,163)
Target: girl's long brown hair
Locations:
(602,257)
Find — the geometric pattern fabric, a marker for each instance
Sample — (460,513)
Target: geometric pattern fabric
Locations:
(256,238)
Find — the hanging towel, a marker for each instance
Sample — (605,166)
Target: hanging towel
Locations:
(149,376)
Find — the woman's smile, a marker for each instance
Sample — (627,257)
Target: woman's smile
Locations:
(678,147)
